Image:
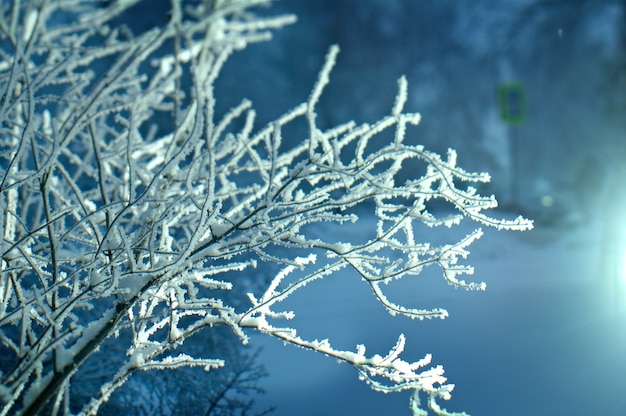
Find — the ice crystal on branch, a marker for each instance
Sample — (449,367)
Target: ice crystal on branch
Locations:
(131,209)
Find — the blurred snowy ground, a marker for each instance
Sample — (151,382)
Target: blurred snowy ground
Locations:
(547,337)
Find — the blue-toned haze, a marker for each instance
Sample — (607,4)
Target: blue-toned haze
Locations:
(546,337)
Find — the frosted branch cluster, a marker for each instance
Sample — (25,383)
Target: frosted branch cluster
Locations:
(128,203)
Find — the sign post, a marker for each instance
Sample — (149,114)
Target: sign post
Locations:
(512,105)
(512,102)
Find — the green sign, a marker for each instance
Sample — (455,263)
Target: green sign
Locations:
(512,102)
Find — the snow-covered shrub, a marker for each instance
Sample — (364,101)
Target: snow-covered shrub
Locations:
(131,208)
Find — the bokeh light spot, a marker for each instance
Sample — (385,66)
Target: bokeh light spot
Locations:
(547,201)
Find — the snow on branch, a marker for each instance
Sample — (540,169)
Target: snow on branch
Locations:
(135,213)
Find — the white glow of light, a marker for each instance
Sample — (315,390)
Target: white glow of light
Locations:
(547,201)
(623,267)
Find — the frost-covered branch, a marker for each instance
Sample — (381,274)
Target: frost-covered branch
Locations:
(132,208)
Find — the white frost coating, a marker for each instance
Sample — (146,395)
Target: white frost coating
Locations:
(89,333)
(9,219)
(30,20)
(90,205)
(299,261)
(166,64)
(166,238)
(183,360)
(35,388)
(341,247)
(303,261)
(401,97)
(202,280)
(324,76)
(47,123)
